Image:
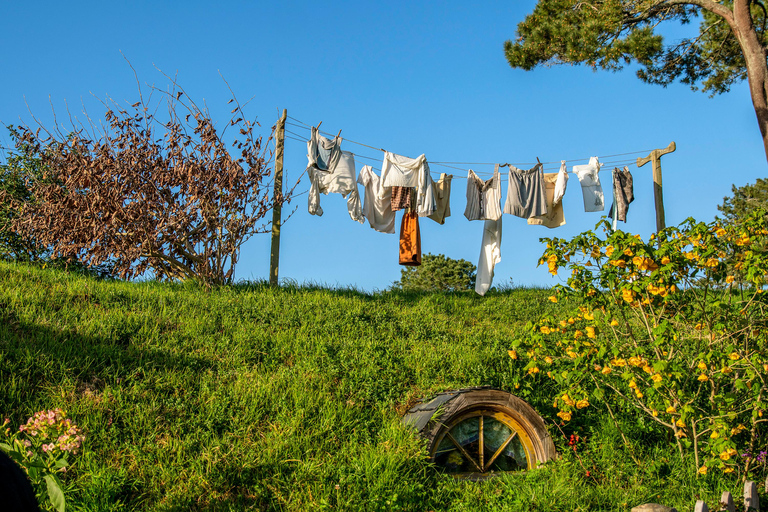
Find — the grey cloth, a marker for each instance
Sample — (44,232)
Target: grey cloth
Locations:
(526,196)
(623,193)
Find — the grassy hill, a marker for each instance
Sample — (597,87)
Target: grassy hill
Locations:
(251,398)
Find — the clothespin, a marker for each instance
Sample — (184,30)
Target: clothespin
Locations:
(337,136)
(537,159)
(318,125)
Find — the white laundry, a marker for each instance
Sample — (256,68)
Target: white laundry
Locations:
(560,184)
(401,171)
(490,255)
(377,204)
(339,180)
(483,197)
(591,189)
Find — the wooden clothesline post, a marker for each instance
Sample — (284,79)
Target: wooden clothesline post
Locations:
(655,158)
(274,255)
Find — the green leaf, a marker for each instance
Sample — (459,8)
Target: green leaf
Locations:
(5,447)
(55,494)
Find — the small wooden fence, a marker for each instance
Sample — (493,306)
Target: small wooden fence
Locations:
(751,502)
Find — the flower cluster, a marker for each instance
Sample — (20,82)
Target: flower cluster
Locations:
(54,431)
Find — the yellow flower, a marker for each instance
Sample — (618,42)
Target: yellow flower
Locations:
(702,470)
(614,322)
(552,298)
(647,369)
(712,262)
(702,378)
(728,469)
(628,295)
(638,393)
(727,454)
(533,370)
(578,334)
(656,378)
(582,404)
(566,416)
(726,370)
(743,240)
(609,251)
(618,263)
(671,410)
(680,423)
(665,260)
(590,332)
(627,252)
(714,435)
(765,367)
(720,232)
(548,360)
(544,329)
(572,354)
(512,353)
(606,370)
(737,430)
(637,260)
(702,365)
(571,320)
(729,279)
(733,356)
(681,433)
(654,413)
(632,384)
(618,362)
(568,400)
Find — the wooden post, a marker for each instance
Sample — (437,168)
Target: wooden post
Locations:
(751,499)
(726,502)
(274,256)
(700,507)
(655,157)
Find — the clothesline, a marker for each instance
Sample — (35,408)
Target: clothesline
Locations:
(622,162)
(448,164)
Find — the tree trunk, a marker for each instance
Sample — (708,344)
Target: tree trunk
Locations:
(757,68)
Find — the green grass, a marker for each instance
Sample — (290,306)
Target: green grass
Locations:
(252,398)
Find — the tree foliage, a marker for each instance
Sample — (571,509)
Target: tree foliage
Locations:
(20,169)
(438,273)
(612,33)
(149,193)
(744,201)
(608,34)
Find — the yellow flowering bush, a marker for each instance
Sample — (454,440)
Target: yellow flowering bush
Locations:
(674,328)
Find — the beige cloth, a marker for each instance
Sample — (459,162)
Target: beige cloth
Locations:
(442,189)
(554,218)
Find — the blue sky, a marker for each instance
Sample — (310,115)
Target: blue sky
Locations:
(413,78)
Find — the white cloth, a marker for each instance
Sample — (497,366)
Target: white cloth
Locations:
(490,255)
(401,171)
(560,184)
(483,197)
(338,180)
(377,204)
(591,189)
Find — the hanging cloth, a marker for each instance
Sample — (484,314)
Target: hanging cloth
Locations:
(442,190)
(560,184)
(623,194)
(591,189)
(331,170)
(410,240)
(490,255)
(401,171)
(483,197)
(554,218)
(377,203)
(401,198)
(525,192)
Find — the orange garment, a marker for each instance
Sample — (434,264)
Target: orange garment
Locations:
(410,240)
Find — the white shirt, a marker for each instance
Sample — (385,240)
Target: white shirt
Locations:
(339,180)
(377,205)
(560,184)
(401,171)
(483,197)
(590,185)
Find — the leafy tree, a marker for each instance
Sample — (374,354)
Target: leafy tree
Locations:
(745,200)
(608,34)
(20,169)
(166,195)
(438,273)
